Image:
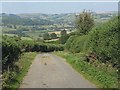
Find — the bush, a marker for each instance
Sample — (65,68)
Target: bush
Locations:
(46,36)
(10,52)
(63,39)
(100,74)
(53,36)
(102,40)
(76,44)
(13,47)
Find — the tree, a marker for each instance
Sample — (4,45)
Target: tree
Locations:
(46,36)
(63,32)
(84,22)
(53,36)
(40,35)
(64,38)
(15,27)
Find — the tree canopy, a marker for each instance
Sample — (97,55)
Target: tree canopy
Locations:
(84,22)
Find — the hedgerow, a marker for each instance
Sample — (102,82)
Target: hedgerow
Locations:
(12,49)
(104,41)
(101,40)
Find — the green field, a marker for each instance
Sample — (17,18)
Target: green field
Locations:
(26,38)
(5,29)
(35,34)
(88,43)
(11,35)
(23,38)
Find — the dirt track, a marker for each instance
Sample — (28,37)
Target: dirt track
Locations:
(50,71)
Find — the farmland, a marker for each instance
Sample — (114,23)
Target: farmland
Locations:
(89,45)
(36,30)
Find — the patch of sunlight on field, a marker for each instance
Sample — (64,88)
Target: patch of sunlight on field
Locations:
(35,34)
(8,29)
(26,38)
(11,35)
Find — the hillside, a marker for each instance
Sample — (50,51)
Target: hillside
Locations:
(89,45)
(50,19)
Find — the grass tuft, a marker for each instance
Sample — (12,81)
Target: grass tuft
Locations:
(102,76)
(24,65)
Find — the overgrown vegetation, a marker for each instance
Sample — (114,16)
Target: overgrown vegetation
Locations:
(101,42)
(13,78)
(64,37)
(84,22)
(13,47)
(95,51)
(103,75)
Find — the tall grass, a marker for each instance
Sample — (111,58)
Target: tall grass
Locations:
(23,65)
(100,74)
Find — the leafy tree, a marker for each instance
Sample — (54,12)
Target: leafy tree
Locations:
(63,32)
(46,36)
(64,38)
(101,40)
(9,26)
(19,32)
(84,22)
(15,27)
(40,35)
(53,36)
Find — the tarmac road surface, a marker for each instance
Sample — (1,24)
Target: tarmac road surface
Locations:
(51,71)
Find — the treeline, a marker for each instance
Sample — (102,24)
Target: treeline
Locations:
(12,49)
(100,43)
(17,20)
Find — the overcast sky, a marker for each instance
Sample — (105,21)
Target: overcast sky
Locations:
(57,7)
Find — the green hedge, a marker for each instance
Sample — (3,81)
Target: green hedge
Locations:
(13,47)
(76,44)
(10,52)
(102,40)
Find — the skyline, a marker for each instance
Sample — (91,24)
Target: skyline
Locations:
(57,7)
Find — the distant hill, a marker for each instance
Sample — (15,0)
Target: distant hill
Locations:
(56,18)
(50,19)
(18,20)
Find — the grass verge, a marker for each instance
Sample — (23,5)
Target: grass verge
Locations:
(102,76)
(23,64)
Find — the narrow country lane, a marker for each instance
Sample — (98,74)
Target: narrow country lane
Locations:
(51,71)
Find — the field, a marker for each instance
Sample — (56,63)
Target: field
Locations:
(11,35)
(23,38)
(89,44)
(58,32)
(6,29)
(26,38)
(36,34)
